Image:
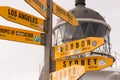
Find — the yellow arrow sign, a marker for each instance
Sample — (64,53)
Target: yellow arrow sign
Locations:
(77,47)
(20,35)
(91,63)
(41,7)
(23,18)
(69,73)
(38,5)
(65,15)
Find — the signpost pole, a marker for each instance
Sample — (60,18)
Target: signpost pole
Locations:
(48,45)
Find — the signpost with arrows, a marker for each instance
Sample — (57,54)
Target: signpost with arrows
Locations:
(21,17)
(70,69)
(20,35)
(77,47)
(41,7)
(65,15)
(92,63)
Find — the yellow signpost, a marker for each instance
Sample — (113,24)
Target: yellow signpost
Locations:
(65,15)
(69,69)
(77,47)
(41,7)
(69,73)
(20,35)
(92,63)
(23,18)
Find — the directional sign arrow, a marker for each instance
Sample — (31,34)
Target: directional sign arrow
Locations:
(92,63)
(41,7)
(77,47)
(38,5)
(20,35)
(23,18)
(65,15)
(69,73)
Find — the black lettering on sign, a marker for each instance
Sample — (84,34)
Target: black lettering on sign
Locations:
(82,62)
(12,32)
(61,49)
(89,61)
(95,60)
(3,35)
(76,62)
(92,67)
(86,48)
(38,3)
(70,63)
(64,63)
(83,43)
(77,45)
(61,11)
(12,12)
(69,16)
(27,18)
(5,31)
(88,42)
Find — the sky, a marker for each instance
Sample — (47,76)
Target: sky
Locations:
(20,61)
